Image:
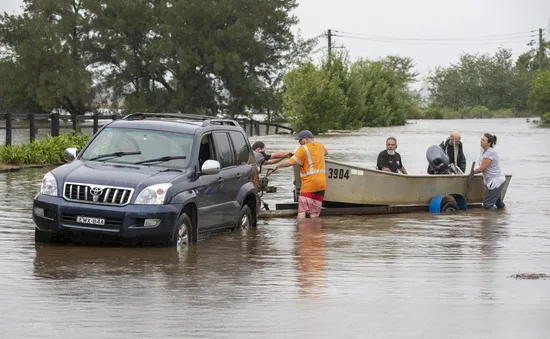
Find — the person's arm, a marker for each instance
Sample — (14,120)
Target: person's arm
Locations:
(485,162)
(280,155)
(273,161)
(284,163)
(296,159)
(325,152)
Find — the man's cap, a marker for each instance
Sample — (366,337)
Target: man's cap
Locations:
(305,134)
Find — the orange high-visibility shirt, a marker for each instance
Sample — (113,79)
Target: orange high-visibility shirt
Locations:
(311,159)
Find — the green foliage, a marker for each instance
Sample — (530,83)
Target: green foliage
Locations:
(539,96)
(48,150)
(475,112)
(193,56)
(379,93)
(314,99)
(48,43)
(433,113)
(493,81)
(480,80)
(340,95)
(546,118)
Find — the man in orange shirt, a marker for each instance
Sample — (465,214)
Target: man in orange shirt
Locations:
(310,156)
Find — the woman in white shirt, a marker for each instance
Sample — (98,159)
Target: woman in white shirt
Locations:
(493,175)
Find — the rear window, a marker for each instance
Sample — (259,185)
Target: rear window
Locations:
(241,148)
(223,150)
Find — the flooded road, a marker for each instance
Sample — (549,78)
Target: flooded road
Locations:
(402,276)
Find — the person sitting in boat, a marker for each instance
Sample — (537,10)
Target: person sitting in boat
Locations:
(389,160)
(454,149)
(493,175)
(310,156)
(262,157)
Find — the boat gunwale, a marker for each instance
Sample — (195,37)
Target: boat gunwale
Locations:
(375,171)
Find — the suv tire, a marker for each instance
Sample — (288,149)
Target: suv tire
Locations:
(184,232)
(245,219)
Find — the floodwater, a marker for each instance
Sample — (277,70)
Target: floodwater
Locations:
(410,275)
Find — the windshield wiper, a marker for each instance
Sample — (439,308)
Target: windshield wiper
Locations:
(161,159)
(115,154)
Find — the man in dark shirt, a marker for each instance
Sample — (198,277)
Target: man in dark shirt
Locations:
(389,160)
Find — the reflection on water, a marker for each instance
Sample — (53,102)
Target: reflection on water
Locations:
(310,248)
(334,277)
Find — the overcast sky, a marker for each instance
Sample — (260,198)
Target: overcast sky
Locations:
(507,23)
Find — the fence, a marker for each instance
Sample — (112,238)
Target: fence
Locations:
(55,122)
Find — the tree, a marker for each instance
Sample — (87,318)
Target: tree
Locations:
(379,93)
(209,56)
(194,56)
(340,95)
(48,44)
(485,80)
(539,96)
(313,99)
(13,95)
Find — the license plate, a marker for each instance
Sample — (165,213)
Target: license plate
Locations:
(90,221)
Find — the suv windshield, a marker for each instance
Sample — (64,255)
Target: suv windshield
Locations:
(130,145)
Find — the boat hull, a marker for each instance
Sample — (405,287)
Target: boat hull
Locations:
(362,186)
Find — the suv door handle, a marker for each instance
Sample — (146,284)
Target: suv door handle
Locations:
(220,180)
(238,175)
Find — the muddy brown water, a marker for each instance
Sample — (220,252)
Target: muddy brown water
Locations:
(400,276)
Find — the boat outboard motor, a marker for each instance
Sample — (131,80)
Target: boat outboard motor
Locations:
(438,160)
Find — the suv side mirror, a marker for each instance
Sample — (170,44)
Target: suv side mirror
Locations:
(70,154)
(210,167)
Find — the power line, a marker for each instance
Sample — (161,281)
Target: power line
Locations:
(436,43)
(501,36)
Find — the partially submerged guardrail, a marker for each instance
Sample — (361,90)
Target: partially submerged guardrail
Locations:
(54,122)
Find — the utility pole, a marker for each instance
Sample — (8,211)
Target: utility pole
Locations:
(541,49)
(329,40)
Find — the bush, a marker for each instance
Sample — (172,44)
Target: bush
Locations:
(48,150)
(476,112)
(545,118)
(433,113)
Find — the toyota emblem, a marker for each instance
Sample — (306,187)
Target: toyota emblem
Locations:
(96,192)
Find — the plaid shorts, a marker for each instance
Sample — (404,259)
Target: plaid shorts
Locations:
(310,202)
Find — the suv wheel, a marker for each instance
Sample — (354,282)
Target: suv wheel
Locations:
(183,231)
(245,218)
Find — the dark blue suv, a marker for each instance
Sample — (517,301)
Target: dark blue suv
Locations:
(161,178)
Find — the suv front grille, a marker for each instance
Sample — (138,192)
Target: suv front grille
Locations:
(97,194)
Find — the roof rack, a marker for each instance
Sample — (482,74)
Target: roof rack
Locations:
(207,120)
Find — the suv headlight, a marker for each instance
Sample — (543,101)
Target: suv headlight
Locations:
(153,195)
(49,185)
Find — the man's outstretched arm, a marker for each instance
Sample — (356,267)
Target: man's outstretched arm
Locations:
(280,155)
